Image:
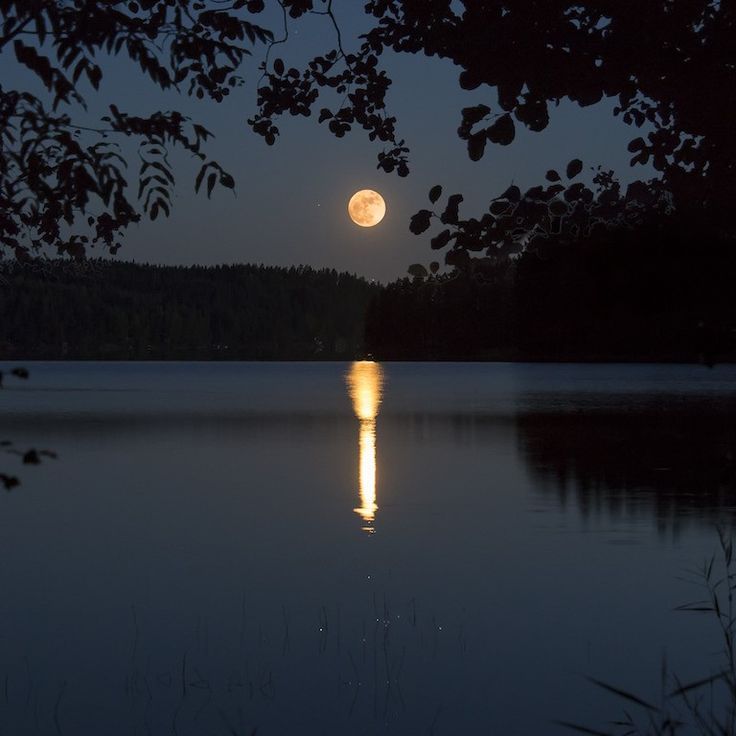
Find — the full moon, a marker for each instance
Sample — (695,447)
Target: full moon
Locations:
(366,208)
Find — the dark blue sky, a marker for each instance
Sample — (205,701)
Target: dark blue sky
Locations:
(291,199)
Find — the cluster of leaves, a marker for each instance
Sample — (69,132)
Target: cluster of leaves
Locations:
(29,457)
(60,179)
(516,220)
(355,77)
(671,67)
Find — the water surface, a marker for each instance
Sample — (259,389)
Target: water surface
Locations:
(326,548)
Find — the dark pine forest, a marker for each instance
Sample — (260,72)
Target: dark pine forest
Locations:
(97,310)
(657,294)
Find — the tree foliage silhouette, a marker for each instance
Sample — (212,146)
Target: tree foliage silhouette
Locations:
(63,184)
(670,66)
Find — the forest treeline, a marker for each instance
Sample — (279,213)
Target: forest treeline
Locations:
(126,311)
(652,294)
(656,293)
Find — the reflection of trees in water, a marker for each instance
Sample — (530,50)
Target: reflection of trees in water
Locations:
(670,464)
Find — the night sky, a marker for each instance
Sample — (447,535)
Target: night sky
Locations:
(290,201)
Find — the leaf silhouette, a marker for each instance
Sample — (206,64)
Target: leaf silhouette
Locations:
(441,240)
(513,194)
(420,222)
(502,131)
(477,145)
(473,115)
(451,213)
(200,177)
(435,193)
(574,168)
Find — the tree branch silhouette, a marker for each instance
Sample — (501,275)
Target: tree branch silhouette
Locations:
(670,67)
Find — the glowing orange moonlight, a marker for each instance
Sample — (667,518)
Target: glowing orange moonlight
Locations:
(366,208)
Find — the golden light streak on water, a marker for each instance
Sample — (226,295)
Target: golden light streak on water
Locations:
(365,386)
(367,477)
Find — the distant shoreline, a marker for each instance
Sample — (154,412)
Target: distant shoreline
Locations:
(517,361)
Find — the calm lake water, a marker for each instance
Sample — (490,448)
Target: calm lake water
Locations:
(324,548)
